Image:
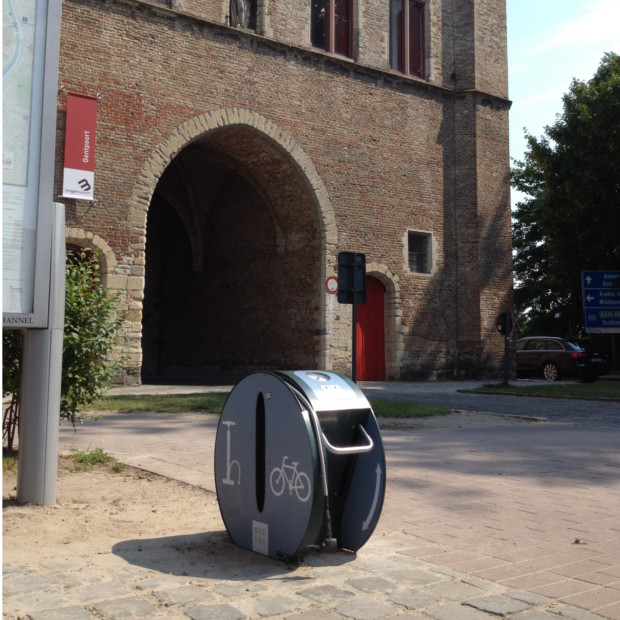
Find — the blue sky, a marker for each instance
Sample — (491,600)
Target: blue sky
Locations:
(550,42)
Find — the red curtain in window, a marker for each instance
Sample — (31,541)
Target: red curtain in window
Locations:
(343,27)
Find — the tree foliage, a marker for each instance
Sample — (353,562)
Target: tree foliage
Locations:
(91,330)
(570,219)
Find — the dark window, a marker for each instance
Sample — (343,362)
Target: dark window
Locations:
(407,37)
(243,13)
(318,28)
(332,26)
(419,252)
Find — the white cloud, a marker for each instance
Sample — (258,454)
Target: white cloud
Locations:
(539,99)
(566,44)
(594,26)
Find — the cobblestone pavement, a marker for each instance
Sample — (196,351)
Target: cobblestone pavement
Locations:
(223,582)
(517,521)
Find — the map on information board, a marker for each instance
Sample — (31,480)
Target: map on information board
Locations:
(23,49)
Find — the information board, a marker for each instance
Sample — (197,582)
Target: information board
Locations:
(31,31)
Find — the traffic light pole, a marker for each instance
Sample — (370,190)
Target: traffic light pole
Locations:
(504,326)
(352,290)
(354,343)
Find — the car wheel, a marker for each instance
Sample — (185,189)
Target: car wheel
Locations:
(550,371)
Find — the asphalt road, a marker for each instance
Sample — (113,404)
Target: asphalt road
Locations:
(598,413)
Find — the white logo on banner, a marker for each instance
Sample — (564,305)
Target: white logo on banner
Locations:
(78,184)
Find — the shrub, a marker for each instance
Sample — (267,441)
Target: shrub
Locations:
(91,331)
(12,340)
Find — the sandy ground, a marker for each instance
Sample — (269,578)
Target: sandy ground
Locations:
(97,506)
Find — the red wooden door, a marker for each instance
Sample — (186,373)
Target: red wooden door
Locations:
(371,333)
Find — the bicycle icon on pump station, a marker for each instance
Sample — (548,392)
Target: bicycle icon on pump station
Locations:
(287,476)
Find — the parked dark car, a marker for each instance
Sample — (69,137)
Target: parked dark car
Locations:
(596,350)
(555,358)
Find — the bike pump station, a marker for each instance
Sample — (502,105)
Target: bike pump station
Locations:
(299,464)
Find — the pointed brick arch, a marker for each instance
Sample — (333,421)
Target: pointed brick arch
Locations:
(199,127)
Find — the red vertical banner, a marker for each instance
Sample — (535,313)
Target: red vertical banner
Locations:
(79,171)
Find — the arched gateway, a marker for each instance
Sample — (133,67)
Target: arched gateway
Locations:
(238,231)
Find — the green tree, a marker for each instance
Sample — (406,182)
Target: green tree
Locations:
(570,218)
(91,331)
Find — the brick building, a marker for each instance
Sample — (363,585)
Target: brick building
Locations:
(241,144)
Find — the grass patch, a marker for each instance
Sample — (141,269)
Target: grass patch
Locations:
(163,403)
(96,457)
(9,463)
(214,403)
(600,389)
(393,409)
(84,461)
(76,461)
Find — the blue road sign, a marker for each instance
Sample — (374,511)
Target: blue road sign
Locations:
(601,301)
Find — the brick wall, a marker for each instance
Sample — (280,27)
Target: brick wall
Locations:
(339,155)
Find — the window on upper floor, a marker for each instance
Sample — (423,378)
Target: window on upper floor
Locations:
(419,252)
(407,37)
(243,13)
(332,26)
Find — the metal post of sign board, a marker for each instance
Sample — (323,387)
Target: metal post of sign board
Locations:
(40,387)
(354,342)
(504,327)
(352,290)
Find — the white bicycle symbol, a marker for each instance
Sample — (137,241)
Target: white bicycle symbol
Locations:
(288,476)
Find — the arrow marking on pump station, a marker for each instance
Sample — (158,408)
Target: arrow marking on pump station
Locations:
(375,499)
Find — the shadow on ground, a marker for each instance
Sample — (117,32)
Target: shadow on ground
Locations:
(213,555)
